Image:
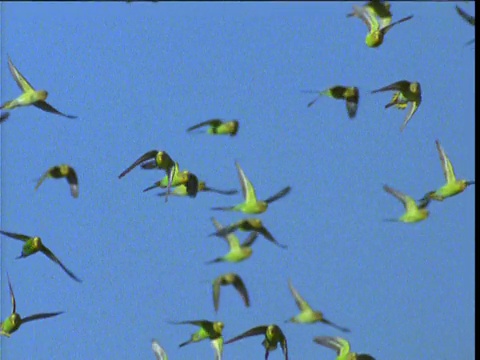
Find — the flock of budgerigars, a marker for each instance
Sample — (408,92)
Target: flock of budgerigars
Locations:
(378,18)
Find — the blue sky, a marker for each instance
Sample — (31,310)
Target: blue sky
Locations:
(137,76)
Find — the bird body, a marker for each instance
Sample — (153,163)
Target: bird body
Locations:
(413,212)
(307,315)
(208,330)
(350,94)
(13,322)
(341,347)
(62,171)
(252,205)
(29,95)
(453,186)
(218,127)
(405,92)
(34,244)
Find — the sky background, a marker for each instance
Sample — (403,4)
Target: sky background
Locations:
(137,76)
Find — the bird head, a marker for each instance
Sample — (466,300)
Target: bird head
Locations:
(43,94)
(374,39)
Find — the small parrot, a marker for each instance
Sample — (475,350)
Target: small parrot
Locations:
(229,279)
(376,31)
(341,347)
(252,205)
(350,94)
(237,252)
(30,96)
(453,186)
(62,171)
(218,127)
(307,314)
(34,244)
(249,224)
(14,321)
(406,92)
(273,335)
(208,330)
(413,212)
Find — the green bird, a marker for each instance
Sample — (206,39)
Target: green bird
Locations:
(229,279)
(208,330)
(181,190)
(307,314)
(217,345)
(252,205)
(341,347)
(376,30)
(159,352)
(155,159)
(413,212)
(249,224)
(4,116)
(14,321)
(32,245)
(30,96)
(468,18)
(180,178)
(378,8)
(406,92)
(350,94)
(218,127)
(238,252)
(62,171)
(453,186)
(273,335)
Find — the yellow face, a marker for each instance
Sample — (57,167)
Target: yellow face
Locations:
(43,94)
(37,242)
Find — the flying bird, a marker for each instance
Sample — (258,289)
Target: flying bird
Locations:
(273,335)
(307,314)
(376,31)
(341,347)
(62,171)
(413,212)
(229,279)
(14,321)
(350,94)
(208,330)
(406,92)
(238,252)
(30,96)
(32,245)
(249,224)
(180,178)
(252,205)
(159,352)
(378,8)
(155,159)
(181,190)
(218,127)
(452,186)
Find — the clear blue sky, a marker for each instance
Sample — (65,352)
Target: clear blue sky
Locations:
(137,75)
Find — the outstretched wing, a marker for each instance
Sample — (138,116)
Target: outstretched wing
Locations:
(301,303)
(147,156)
(259,330)
(398,86)
(15,236)
(212,122)
(40,316)
(21,81)
(52,257)
(49,108)
(446,164)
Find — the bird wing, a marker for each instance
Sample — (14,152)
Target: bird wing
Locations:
(413,110)
(369,20)
(328,341)
(231,238)
(22,83)
(16,236)
(389,26)
(52,257)
(216,292)
(408,202)
(258,330)
(250,239)
(398,85)
(242,290)
(446,164)
(467,17)
(212,122)
(217,345)
(247,187)
(147,156)
(40,316)
(160,354)
(49,108)
(278,195)
(12,295)
(72,180)
(301,303)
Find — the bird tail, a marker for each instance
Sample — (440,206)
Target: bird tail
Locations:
(151,187)
(185,343)
(391,220)
(214,261)
(225,208)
